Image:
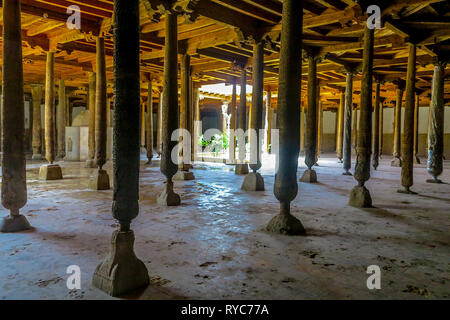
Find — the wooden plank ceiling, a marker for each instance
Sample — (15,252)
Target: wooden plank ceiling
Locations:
(219,41)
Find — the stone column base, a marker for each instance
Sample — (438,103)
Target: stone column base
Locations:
(309,176)
(183,176)
(241,168)
(185,167)
(230,162)
(121,272)
(253,182)
(396,162)
(360,197)
(347,173)
(286,224)
(154,163)
(99,181)
(37,156)
(90,163)
(50,172)
(14,224)
(168,197)
(416,160)
(406,191)
(375,163)
(435,180)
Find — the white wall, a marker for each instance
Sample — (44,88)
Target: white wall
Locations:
(329,122)
(388,120)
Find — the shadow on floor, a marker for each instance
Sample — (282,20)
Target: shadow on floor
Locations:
(385,214)
(343,192)
(153,292)
(432,197)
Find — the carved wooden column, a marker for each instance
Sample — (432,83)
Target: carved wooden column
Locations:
(360,196)
(381,130)
(436,123)
(100,179)
(376,128)
(429,118)
(122,272)
(149,138)
(50,171)
(232,138)
(142,125)
(1,111)
(408,127)
(272,126)
(192,98)
(14,185)
(49,121)
(241,167)
(416,129)
(28,133)
(90,162)
(302,128)
(185,114)
(60,121)
(249,121)
(108,111)
(396,161)
(340,127)
(319,129)
(347,144)
(197,121)
(68,109)
(159,125)
(170,110)
(36,92)
(254,181)
(286,187)
(355,127)
(268,120)
(310,174)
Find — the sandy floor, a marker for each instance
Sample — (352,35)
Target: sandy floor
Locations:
(213,245)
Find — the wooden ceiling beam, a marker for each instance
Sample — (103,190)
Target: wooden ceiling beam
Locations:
(75,46)
(199,23)
(60,61)
(336,4)
(343,17)
(223,36)
(215,65)
(50,25)
(313,7)
(396,6)
(273,7)
(30,7)
(90,11)
(249,26)
(222,55)
(250,10)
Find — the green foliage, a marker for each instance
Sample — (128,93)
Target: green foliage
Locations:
(202,142)
(225,140)
(217,143)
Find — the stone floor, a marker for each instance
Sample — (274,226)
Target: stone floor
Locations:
(213,246)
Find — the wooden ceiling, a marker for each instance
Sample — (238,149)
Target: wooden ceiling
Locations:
(218,35)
